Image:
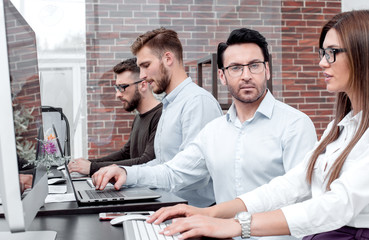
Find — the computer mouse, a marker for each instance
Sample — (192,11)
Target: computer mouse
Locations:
(121,219)
(61,167)
(56,181)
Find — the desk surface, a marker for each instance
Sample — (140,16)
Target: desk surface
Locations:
(72,222)
(166,199)
(74,227)
(82,223)
(77,227)
(65,208)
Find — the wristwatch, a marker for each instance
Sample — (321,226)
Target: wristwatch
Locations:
(244,218)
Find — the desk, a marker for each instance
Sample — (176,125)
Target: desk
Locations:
(73,222)
(70,208)
(82,223)
(74,227)
(67,208)
(77,227)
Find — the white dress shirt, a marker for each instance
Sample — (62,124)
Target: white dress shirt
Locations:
(347,203)
(238,157)
(186,110)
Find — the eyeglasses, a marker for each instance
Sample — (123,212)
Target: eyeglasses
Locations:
(237,69)
(330,53)
(122,87)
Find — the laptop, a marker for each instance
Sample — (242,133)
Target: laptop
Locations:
(86,195)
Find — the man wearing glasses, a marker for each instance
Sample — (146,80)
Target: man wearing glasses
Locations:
(135,94)
(258,139)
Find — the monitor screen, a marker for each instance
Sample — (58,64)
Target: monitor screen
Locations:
(24,84)
(21,124)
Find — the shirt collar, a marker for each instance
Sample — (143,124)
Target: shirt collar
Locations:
(265,108)
(173,94)
(350,118)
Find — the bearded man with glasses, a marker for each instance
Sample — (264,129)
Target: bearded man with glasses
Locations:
(135,94)
(258,139)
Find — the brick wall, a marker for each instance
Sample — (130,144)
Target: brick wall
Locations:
(291,28)
(303,83)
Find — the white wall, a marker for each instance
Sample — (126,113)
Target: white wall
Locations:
(348,5)
(60,31)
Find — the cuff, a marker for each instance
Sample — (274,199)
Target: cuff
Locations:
(252,202)
(131,174)
(296,220)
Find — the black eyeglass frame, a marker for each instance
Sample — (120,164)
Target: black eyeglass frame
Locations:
(122,87)
(323,52)
(243,66)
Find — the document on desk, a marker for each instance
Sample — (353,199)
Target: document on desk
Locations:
(55,189)
(66,197)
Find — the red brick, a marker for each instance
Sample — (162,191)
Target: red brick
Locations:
(293,100)
(315,4)
(291,10)
(293,3)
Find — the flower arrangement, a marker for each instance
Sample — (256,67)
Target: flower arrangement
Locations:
(22,119)
(49,156)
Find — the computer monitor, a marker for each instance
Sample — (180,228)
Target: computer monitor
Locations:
(20,102)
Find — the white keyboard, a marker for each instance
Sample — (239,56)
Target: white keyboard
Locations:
(141,230)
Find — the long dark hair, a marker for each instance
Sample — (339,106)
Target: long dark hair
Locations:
(353,29)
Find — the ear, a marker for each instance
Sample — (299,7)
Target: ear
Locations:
(168,58)
(267,70)
(143,86)
(222,77)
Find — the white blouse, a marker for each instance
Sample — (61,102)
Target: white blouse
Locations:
(311,209)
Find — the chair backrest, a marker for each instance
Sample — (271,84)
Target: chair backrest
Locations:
(53,115)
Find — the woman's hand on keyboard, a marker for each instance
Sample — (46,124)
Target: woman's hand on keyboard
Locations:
(180,210)
(199,225)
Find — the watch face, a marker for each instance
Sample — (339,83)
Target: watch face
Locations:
(242,215)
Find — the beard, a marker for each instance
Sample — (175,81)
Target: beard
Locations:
(249,98)
(133,104)
(164,81)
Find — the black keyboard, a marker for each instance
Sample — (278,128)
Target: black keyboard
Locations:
(107,193)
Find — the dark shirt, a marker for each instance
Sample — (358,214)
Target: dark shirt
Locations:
(140,146)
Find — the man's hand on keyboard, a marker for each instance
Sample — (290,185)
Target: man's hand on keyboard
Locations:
(80,165)
(180,210)
(113,174)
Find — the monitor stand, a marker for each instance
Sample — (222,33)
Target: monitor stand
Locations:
(29,235)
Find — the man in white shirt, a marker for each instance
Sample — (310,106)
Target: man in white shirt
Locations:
(187,108)
(258,139)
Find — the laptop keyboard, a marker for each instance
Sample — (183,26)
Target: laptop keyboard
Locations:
(148,231)
(107,193)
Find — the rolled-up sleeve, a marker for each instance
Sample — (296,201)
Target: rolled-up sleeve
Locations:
(348,196)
